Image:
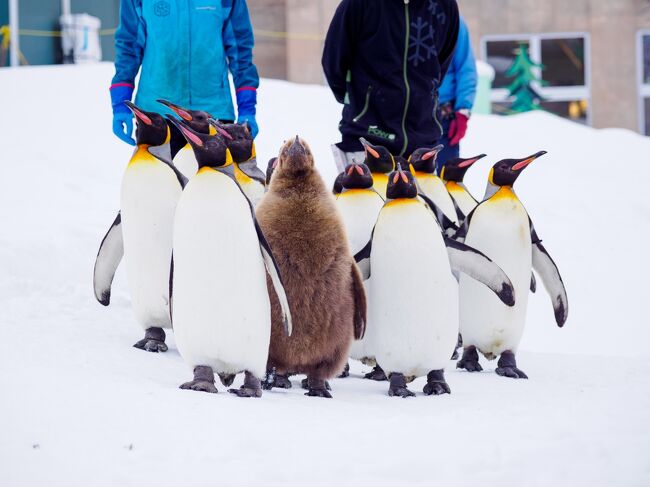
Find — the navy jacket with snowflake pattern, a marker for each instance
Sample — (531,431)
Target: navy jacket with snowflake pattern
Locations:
(384,60)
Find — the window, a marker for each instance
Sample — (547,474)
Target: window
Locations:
(565,77)
(644,81)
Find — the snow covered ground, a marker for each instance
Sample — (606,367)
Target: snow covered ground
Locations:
(79,406)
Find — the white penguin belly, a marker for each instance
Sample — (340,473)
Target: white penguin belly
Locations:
(185,162)
(220,303)
(462,197)
(359,209)
(150,192)
(435,189)
(414,296)
(499,229)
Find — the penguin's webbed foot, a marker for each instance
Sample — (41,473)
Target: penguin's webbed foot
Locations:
(346,371)
(398,386)
(436,384)
(469,360)
(507,366)
(273,379)
(252,387)
(377,373)
(317,388)
(203,380)
(153,341)
(305,384)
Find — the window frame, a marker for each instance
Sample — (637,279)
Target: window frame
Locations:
(550,93)
(643,89)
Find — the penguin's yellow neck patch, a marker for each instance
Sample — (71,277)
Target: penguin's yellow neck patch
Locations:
(504,192)
(355,192)
(241,176)
(205,169)
(425,175)
(142,156)
(454,187)
(402,202)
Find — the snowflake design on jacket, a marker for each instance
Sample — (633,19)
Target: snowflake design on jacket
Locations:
(421,41)
(435,10)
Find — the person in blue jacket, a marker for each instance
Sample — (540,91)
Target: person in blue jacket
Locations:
(456,95)
(184,50)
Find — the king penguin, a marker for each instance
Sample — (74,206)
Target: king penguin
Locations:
(501,227)
(359,205)
(452,174)
(240,142)
(411,261)
(380,162)
(142,231)
(221,307)
(423,166)
(181,152)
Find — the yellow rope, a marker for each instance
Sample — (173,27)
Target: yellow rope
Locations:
(271,34)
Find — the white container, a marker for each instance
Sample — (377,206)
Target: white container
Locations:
(80,38)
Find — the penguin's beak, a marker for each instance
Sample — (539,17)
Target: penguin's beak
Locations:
(522,163)
(470,161)
(432,153)
(181,112)
(219,128)
(189,134)
(296,147)
(369,148)
(140,115)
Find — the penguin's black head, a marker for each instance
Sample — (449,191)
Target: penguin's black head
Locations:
(356,176)
(337,187)
(424,159)
(270,167)
(506,171)
(240,140)
(378,158)
(401,184)
(197,120)
(295,159)
(151,127)
(455,169)
(209,150)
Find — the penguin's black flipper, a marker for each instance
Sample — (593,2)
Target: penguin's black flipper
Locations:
(479,266)
(252,171)
(448,227)
(274,272)
(461,234)
(110,253)
(533,283)
(362,258)
(550,276)
(360,303)
(267,256)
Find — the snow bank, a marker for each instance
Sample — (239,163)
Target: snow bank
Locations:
(79,406)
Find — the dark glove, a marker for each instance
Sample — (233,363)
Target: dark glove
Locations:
(457,128)
(122,116)
(246,102)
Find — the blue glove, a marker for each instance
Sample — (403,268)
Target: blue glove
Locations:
(246,101)
(122,116)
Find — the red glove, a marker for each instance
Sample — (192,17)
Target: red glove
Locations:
(457,128)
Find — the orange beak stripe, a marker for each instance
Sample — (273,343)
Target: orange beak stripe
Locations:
(429,155)
(142,116)
(350,170)
(404,178)
(372,151)
(467,163)
(523,164)
(359,170)
(190,136)
(395,178)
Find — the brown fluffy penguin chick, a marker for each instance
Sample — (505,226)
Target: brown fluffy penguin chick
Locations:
(299,218)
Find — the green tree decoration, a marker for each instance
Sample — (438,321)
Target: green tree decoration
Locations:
(526,98)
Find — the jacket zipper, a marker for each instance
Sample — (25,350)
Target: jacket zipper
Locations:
(406,81)
(365,106)
(189,54)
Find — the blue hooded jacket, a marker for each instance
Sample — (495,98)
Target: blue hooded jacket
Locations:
(184,50)
(459,83)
